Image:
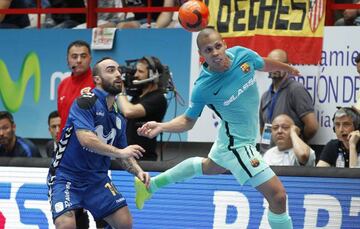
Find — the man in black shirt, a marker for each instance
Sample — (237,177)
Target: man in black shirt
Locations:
(343,151)
(147,103)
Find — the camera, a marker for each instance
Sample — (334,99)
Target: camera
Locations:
(157,73)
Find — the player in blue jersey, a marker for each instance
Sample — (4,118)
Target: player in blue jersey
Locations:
(94,132)
(227,86)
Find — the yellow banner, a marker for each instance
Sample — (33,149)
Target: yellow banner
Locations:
(301,18)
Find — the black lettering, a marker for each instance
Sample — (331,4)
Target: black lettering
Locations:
(252,17)
(238,15)
(281,24)
(223,27)
(302,7)
(271,9)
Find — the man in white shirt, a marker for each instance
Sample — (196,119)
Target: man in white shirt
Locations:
(290,149)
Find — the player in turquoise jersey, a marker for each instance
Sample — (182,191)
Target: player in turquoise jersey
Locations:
(227,86)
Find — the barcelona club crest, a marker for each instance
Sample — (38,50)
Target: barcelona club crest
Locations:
(255,162)
(245,67)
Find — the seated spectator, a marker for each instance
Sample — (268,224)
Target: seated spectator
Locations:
(350,17)
(12,145)
(34,17)
(107,20)
(54,121)
(13,20)
(343,151)
(289,148)
(33,3)
(158,20)
(64,20)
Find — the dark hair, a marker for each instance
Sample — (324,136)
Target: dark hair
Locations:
(153,63)
(53,114)
(79,43)
(357,59)
(7,115)
(96,70)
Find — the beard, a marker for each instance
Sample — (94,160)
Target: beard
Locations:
(277,75)
(111,88)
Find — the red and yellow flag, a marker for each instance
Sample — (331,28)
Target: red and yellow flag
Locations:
(296,26)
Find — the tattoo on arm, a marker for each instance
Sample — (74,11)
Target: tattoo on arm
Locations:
(130,165)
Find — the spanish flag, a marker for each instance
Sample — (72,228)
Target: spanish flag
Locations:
(263,25)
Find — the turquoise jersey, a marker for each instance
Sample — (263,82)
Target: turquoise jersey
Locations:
(233,95)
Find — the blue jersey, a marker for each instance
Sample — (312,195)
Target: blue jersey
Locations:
(233,95)
(77,163)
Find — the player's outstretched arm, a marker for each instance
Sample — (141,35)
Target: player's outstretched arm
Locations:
(273,65)
(89,140)
(176,125)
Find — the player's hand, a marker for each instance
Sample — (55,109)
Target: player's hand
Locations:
(293,71)
(150,129)
(354,137)
(131,151)
(145,178)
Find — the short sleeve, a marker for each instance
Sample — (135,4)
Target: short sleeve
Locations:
(196,105)
(82,114)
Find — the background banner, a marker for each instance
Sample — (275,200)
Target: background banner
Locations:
(217,202)
(295,26)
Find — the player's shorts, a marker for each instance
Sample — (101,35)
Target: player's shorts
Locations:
(245,163)
(101,199)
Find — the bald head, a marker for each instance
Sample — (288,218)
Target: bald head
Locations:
(205,34)
(280,131)
(283,118)
(279,55)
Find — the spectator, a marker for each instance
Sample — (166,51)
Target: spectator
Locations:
(158,20)
(80,80)
(343,151)
(357,61)
(107,20)
(12,145)
(286,96)
(13,20)
(350,16)
(148,103)
(54,129)
(33,3)
(64,20)
(289,148)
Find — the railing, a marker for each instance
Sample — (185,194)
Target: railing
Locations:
(331,6)
(92,10)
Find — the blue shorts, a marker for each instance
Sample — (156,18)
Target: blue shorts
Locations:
(101,199)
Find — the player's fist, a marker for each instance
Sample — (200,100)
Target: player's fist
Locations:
(135,151)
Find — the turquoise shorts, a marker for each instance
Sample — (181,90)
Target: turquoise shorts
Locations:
(245,163)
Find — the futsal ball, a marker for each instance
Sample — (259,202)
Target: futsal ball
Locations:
(193,15)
